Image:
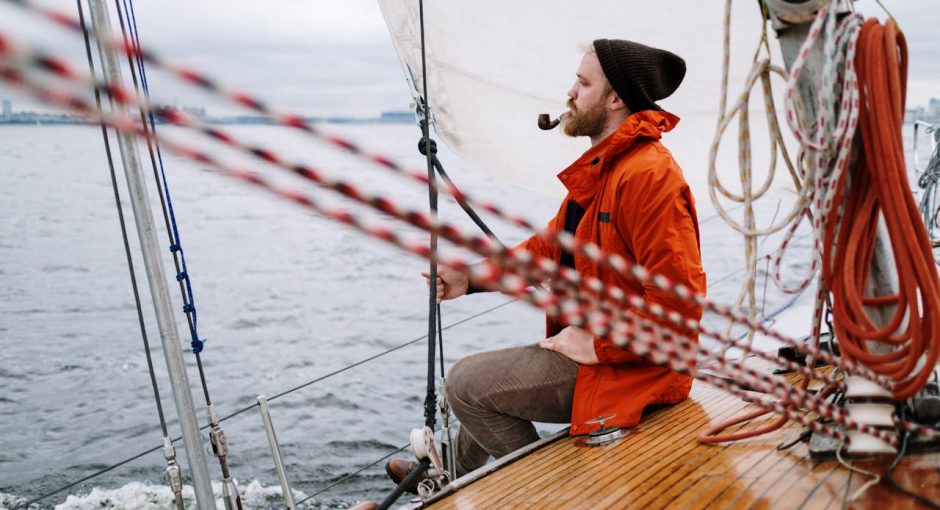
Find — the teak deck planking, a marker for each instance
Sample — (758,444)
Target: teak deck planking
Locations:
(660,464)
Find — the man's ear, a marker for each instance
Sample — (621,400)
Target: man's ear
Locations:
(614,102)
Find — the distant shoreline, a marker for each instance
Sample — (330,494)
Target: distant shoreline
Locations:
(403,118)
(27,118)
(245,121)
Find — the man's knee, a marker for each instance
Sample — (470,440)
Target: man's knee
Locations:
(460,381)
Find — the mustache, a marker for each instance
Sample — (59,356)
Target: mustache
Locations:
(570,105)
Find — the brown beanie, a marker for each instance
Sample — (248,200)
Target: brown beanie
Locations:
(639,74)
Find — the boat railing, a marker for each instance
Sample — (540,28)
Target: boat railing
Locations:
(928,177)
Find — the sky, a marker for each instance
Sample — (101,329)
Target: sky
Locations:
(335,57)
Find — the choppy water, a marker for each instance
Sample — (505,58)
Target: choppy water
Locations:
(283,297)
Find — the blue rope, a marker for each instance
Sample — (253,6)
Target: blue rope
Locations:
(189,306)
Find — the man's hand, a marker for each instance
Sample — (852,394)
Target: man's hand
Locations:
(575,343)
(451,283)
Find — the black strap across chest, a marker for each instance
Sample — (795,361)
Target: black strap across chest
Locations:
(573,214)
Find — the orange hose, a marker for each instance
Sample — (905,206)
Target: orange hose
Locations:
(879,188)
(710,435)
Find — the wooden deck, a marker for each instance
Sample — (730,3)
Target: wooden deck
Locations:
(661,465)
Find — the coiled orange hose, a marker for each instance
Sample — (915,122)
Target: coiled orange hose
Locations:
(879,188)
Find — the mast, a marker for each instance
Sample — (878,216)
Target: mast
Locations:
(153,263)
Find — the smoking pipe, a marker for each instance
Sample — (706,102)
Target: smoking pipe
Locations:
(545,122)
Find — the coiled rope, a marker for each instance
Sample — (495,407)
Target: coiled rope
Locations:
(761,69)
(810,182)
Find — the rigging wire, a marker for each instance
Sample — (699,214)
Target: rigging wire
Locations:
(171,472)
(124,237)
(89,477)
(131,37)
(353,474)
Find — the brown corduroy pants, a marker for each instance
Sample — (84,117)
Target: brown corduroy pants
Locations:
(497,395)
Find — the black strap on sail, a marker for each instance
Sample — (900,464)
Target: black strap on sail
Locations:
(428,147)
(434,309)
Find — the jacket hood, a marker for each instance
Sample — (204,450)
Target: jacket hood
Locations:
(580,177)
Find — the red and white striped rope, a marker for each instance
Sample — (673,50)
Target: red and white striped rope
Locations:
(593,252)
(827,146)
(681,359)
(376,202)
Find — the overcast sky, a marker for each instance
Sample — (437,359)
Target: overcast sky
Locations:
(334,57)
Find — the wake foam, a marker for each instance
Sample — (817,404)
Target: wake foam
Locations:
(145,496)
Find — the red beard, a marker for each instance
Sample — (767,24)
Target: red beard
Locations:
(588,123)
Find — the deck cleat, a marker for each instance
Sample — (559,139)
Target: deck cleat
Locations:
(605,434)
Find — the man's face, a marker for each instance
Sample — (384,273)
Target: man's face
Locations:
(587,99)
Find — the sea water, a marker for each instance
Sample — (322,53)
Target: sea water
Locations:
(283,296)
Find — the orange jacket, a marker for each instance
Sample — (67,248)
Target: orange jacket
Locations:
(638,205)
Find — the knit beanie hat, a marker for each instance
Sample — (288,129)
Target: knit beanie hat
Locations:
(639,74)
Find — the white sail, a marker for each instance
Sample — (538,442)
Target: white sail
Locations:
(493,66)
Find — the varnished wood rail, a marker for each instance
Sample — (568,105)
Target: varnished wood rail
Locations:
(659,464)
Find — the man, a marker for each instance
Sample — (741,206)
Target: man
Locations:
(627,195)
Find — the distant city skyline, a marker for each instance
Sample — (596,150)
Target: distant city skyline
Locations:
(10,116)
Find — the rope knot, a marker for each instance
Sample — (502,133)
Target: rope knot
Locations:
(423,144)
